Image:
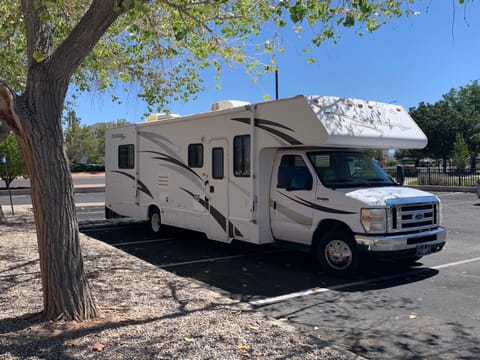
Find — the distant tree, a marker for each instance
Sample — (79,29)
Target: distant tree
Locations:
(465,104)
(79,141)
(439,124)
(415,154)
(15,162)
(460,152)
(4,131)
(99,139)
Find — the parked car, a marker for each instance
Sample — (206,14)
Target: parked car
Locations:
(478,188)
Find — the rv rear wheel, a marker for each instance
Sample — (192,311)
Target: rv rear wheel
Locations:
(338,254)
(155,221)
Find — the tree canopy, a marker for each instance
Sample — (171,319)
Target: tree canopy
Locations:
(457,113)
(160,47)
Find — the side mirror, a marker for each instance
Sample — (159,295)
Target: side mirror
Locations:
(400,174)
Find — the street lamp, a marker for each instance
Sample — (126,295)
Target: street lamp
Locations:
(3,160)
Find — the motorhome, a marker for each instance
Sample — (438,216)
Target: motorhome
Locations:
(291,171)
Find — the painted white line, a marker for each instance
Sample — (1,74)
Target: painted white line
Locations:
(89,204)
(461,262)
(142,242)
(314,291)
(217,259)
(90,212)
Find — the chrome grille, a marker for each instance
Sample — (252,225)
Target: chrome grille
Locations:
(406,217)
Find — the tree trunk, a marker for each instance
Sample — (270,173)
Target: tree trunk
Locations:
(2,216)
(66,293)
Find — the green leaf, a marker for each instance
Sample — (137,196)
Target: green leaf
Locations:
(298,12)
(39,56)
(349,20)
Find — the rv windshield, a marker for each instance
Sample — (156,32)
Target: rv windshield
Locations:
(345,169)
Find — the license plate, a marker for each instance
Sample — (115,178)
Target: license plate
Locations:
(424,250)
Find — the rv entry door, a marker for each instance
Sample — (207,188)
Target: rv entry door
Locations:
(217,190)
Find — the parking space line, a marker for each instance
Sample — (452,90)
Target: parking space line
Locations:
(217,259)
(142,241)
(461,262)
(313,291)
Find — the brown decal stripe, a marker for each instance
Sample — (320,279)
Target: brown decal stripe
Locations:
(314,206)
(219,218)
(140,185)
(262,124)
(170,159)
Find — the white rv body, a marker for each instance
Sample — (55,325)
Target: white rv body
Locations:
(219,173)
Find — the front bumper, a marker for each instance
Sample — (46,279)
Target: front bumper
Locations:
(404,243)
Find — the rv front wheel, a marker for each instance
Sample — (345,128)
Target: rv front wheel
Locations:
(155,221)
(338,254)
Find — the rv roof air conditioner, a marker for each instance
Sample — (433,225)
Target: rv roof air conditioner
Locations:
(227,104)
(161,116)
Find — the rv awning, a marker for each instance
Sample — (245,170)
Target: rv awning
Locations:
(367,124)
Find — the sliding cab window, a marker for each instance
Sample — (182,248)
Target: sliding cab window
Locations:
(293,174)
(126,156)
(195,155)
(241,156)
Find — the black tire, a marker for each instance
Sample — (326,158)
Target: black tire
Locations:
(155,221)
(338,255)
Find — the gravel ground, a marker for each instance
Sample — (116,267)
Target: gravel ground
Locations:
(146,313)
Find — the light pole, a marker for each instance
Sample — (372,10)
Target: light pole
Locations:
(3,160)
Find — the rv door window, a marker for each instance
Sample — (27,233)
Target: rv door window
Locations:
(126,156)
(217,163)
(195,155)
(241,155)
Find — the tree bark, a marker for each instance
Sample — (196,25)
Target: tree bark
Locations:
(66,293)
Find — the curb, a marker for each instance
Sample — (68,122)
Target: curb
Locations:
(77,189)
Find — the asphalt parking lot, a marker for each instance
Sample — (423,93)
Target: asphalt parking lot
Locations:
(426,311)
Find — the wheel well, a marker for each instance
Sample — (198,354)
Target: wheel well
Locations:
(326,226)
(152,209)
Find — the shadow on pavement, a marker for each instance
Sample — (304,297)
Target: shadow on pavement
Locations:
(245,271)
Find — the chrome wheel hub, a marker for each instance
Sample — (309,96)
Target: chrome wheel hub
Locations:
(338,254)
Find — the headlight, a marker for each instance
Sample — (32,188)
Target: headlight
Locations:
(374,220)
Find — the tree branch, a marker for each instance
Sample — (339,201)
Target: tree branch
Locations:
(38,33)
(7,109)
(83,38)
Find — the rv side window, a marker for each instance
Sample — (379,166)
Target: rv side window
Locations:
(293,174)
(217,163)
(195,155)
(241,155)
(126,156)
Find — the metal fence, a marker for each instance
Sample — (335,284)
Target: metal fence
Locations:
(437,176)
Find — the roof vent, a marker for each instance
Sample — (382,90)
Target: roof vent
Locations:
(227,104)
(161,116)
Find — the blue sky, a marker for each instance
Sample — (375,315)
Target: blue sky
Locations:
(407,61)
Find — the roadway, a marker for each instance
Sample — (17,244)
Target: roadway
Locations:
(427,311)
(89,195)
